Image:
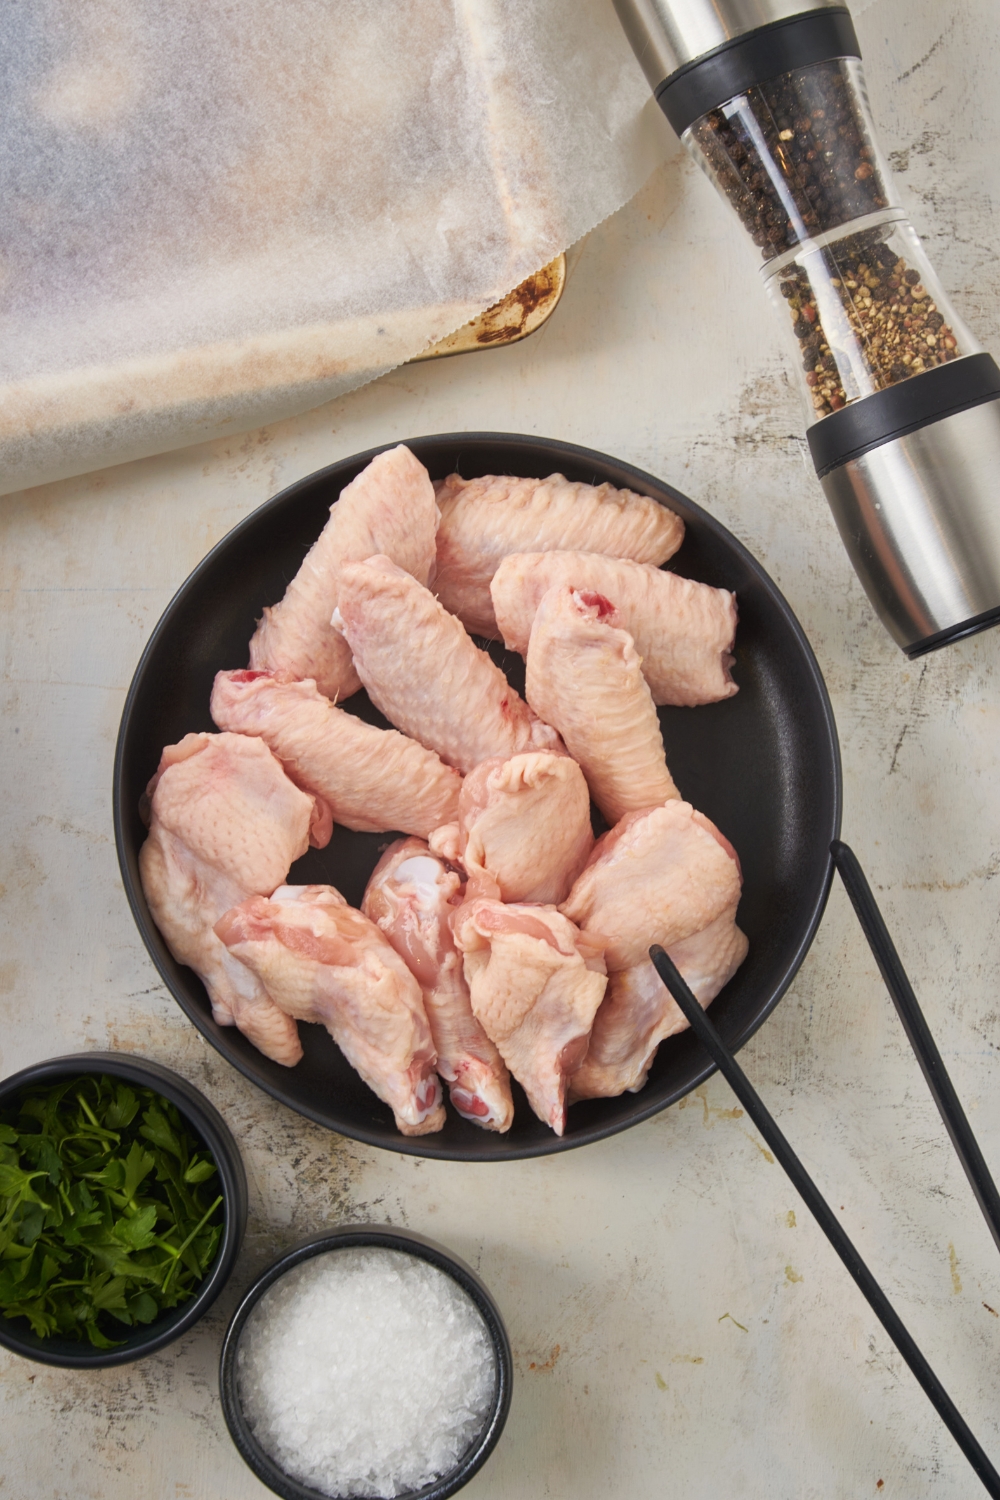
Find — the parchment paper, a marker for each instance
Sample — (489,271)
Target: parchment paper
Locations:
(220,212)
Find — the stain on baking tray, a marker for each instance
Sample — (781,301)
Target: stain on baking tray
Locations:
(518,314)
(509,319)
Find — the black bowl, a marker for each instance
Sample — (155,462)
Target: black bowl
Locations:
(206,1123)
(386,1238)
(763,765)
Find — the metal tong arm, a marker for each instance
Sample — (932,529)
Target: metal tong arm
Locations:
(918,1034)
(827,1220)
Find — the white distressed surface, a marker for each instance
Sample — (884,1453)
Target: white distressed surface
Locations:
(616,1266)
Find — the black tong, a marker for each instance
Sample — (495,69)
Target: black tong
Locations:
(944,1095)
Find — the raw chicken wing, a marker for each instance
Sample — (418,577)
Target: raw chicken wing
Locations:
(388,508)
(585,678)
(425,673)
(410,897)
(664,876)
(638,1012)
(484,520)
(524,827)
(536,983)
(225,822)
(323,961)
(659,876)
(375,780)
(682,630)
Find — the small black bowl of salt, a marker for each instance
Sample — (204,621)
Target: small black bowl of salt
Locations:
(367,1362)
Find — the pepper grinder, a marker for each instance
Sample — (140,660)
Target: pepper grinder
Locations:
(902,404)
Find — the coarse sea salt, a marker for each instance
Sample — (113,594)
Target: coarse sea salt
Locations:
(366,1372)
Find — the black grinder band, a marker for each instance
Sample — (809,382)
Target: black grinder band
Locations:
(900,409)
(753,58)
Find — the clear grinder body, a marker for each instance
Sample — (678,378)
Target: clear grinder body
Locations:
(902,406)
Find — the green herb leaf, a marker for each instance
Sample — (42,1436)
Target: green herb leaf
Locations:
(143,1308)
(41,1152)
(111,1295)
(16,1252)
(99,1340)
(200,1171)
(137,1233)
(123,1110)
(15,1183)
(111,1175)
(32,1223)
(138,1164)
(42,1323)
(155,1128)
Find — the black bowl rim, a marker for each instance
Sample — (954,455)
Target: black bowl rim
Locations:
(639,480)
(217,1136)
(385,1237)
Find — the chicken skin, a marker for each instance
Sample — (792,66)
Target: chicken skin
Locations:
(536,983)
(225,823)
(484,520)
(425,673)
(323,961)
(388,508)
(524,829)
(663,876)
(410,897)
(584,677)
(374,780)
(638,1012)
(682,630)
(657,877)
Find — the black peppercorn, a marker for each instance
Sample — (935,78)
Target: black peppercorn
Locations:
(826,167)
(868,317)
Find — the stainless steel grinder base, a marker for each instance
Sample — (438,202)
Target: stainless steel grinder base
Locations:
(920,518)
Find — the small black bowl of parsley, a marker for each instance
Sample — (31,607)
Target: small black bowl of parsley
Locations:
(123,1203)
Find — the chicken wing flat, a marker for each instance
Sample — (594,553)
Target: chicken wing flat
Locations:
(682,630)
(323,961)
(638,1012)
(410,897)
(374,780)
(536,983)
(225,822)
(524,827)
(484,520)
(388,508)
(426,674)
(584,677)
(664,876)
(659,876)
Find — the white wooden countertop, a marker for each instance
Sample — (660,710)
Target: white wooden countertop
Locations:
(681,1327)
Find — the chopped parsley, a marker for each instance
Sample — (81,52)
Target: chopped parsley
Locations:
(109,1214)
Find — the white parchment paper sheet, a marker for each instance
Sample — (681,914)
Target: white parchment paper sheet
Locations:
(218,213)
